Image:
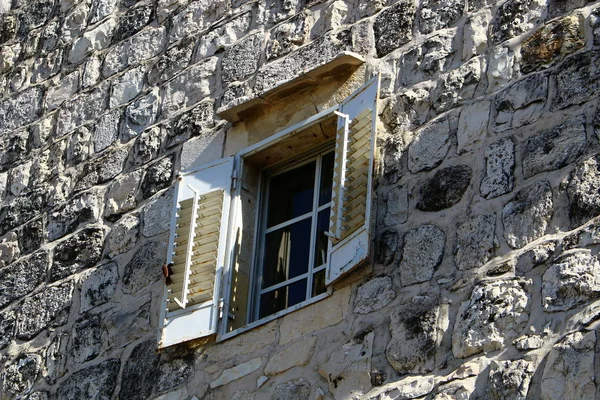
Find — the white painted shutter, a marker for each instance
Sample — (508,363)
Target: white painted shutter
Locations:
(197,249)
(349,227)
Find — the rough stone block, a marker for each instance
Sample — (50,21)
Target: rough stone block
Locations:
(121,194)
(49,307)
(62,92)
(143,46)
(552,43)
(475,242)
(194,122)
(394,27)
(196,17)
(145,267)
(522,103)
(102,169)
(298,389)
(499,169)
(571,281)
(445,188)
(9,249)
(534,257)
(158,176)
(296,354)
(583,189)
(458,85)
(495,314)
(56,358)
(171,62)
(139,115)
(93,40)
(173,374)
(422,254)
(19,377)
(79,147)
(75,21)
(157,215)
(35,14)
(127,87)
(136,315)
(190,87)
(516,17)
(106,130)
(140,372)
(429,146)
(22,277)
(86,107)
(577,80)
(427,60)
(20,109)
(80,251)
(21,209)
(133,21)
(388,245)
(87,339)
(97,382)
(241,59)
(528,215)
(436,15)
(80,210)
(475,34)
(472,126)
(500,68)
(123,235)
(415,335)
(223,35)
(97,286)
(286,37)
(19,178)
(7,327)
(374,295)
(102,8)
(509,379)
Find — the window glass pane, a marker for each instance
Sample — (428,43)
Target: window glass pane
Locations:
(326,179)
(286,253)
(321,240)
(282,298)
(291,194)
(318,283)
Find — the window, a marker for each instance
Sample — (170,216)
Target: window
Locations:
(267,231)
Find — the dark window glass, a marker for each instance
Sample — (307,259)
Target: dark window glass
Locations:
(321,240)
(318,283)
(282,298)
(291,194)
(326,179)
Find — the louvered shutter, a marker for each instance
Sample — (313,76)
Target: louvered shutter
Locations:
(197,250)
(349,233)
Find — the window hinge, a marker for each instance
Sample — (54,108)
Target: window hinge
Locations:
(221,308)
(234,179)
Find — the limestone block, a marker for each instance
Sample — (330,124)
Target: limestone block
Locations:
(445,188)
(287,36)
(194,122)
(429,146)
(102,8)
(278,10)
(106,130)
(552,43)
(17,142)
(472,126)
(143,46)
(140,372)
(56,358)
(62,92)
(569,370)
(196,17)
(9,249)
(475,241)
(248,343)
(19,179)
(202,150)
(452,392)
(298,389)
(133,313)
(147,146)
(95,382)
(458,85)
(32,235)
(406,388)
(529,342)
(34,15)
(97,286)
(422,254)
(571,281)
(170,63)
(241,59)
(19,377)
(516,17)
(174,373)
(348,370)
(595,22)
(3,185)
(86,107)
(9,24)
(190,87)
(396,206)
(374,295)
(7,327)
(76,21)
(127,87)
(328,312)
(21,209)
(133,21)
(522,103)
(554,148)
(158,176)
(495,314)
(415,335)
(102,169)
(475,34)
(79,146)
(91,72)
(436,15)
(509,379)
(86,339)
(157,215)
(21,109)
(80,210)
(223,36)
(145,267)
(237,372)
(78,252)
(584,183)
(121,194)
(528,215)
(534,257)
(429,59)
(393,27)
(9,56)
(96,39)
(22,277)
(576,80)
(499,169)
(50,307)
(123,235)
(296,354)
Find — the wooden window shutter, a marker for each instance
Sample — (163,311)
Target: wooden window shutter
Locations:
(349,227)
(197,251)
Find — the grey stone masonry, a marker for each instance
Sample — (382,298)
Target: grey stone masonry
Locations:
(483,274)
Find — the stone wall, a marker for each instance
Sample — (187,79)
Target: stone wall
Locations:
(486,273)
